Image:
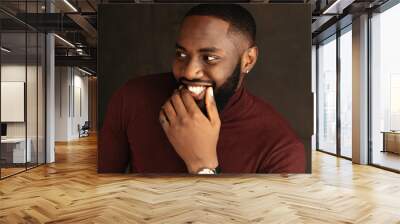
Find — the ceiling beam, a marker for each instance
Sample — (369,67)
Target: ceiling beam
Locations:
(84,24)
(82,61)
(337,7)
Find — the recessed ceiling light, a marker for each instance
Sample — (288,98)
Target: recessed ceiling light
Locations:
(337,7)
(5,50)
(84,71)
(65,41)
(70,5)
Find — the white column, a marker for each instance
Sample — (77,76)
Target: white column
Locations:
(50,93)
(360,90)
(50,110)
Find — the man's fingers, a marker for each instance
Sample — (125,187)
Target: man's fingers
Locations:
(163,120)
(212,107)
(178,105)
(169,111)
(189,102)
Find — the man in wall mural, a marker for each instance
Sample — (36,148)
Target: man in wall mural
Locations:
(200,118)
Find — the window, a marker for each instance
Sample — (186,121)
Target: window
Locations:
(385,88)
(346,92)
(327,95)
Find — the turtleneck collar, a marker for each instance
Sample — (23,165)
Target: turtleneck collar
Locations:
(236,106)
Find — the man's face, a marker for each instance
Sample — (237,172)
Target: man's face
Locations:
(206,55)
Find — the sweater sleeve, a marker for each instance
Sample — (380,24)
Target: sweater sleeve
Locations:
(113,147)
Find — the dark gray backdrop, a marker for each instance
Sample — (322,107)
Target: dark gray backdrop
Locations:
(139,39)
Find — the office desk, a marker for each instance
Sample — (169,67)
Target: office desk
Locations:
(13,150)
(391,141)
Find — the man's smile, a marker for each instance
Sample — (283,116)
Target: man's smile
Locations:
(196,89)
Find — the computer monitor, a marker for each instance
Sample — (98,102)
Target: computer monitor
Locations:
(3,129)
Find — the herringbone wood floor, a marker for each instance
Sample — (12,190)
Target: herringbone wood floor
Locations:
(70,191)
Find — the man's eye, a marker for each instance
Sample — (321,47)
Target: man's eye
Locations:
(181,54)
(210,58)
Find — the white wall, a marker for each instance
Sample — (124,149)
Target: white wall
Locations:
(13,101)
(71,102)
(81,104)
(12,73)
(15,72)
(33,127)
(62,81)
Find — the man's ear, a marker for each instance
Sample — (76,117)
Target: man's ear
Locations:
(249,59)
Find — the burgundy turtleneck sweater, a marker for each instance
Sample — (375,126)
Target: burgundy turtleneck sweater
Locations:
(253,138)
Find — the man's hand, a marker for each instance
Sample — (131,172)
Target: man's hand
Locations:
(193,135)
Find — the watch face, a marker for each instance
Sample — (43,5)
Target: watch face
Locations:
(206,171)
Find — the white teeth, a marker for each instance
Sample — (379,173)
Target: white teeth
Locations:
(196,89)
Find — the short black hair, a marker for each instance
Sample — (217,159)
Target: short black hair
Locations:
(239,18)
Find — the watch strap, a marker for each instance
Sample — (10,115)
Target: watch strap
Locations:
(218,170)
(212,171)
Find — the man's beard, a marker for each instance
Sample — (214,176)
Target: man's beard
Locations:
(227,90)
(221,94)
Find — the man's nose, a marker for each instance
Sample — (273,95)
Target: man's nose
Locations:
(193,70)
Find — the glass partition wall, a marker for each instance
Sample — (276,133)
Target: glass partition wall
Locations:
(334,94)
(22,87)
(385,89)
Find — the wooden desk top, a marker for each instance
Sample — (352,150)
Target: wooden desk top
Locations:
(14,140)
(391,132)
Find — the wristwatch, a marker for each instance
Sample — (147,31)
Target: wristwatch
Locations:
(205,170)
